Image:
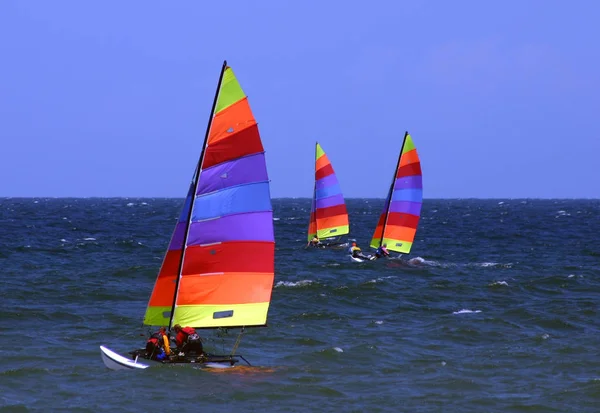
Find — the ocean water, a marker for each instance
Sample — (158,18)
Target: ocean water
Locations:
(495,310)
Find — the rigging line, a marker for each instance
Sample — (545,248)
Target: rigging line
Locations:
(237,342)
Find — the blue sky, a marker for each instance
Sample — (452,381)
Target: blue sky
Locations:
(111,98)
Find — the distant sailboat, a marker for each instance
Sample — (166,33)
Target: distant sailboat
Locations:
(398,222)
(218,270)
(328,214)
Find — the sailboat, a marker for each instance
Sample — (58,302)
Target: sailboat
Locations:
(218,271)
(328,215)
(398,222)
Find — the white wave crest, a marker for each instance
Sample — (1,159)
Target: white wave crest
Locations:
(301,283)
(465,311)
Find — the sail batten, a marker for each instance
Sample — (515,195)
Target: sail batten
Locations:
(226,270)
(397,225)
(328,215)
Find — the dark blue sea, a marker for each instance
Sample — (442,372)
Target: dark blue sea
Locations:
(496,309)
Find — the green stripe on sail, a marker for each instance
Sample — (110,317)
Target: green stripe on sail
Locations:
(221,315)
(320,151)
(408,145)
(403,248)
(230,92)
(157,316)
(333,232)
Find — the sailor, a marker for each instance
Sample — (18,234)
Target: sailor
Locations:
(157,346)
(382,251)
(315,242)
(357,253)
(187,340)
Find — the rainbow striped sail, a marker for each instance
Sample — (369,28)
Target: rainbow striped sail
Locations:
(219,267)
(397,224)
(328,214)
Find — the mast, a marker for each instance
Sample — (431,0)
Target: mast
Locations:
(195,185)
(314,200)
(387,210)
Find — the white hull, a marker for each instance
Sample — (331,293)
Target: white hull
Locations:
(115,361)
(358,259)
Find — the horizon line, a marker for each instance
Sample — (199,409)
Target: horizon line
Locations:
(303,197)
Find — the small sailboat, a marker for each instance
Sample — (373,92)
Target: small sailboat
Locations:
(328,214)
(218,271)
(398,222)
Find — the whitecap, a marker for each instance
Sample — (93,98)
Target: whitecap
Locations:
(301,283)
(339,350)
(465,311)
(89,239)
(488,264)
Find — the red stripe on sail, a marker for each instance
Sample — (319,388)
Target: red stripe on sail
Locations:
(164,289)
(250,256)
(323,172)
(332,211)
(245,142)
(402,219)
(409,170)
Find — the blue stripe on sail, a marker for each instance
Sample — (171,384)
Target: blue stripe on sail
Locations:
(233,200)
(331,201)
(326,182)
(327,192)
(414,195)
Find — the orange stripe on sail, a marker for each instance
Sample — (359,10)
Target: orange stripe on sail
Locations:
(227,288)
(332,222)
(409,157)
(312,224)
(401,233)
(232,119)
(321,162)
(379,228)
(164,289)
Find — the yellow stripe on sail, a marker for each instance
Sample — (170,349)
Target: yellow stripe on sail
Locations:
(254,314)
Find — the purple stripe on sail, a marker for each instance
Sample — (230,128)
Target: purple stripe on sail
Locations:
(415,181)
(413,208)
(253,226)
(325,182)
(331,201)
(178,236)
(239,171)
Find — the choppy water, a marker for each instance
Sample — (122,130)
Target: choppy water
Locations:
(496,311)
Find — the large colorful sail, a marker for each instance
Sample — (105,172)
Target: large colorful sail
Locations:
(398,223)
(224,277)
(328,214)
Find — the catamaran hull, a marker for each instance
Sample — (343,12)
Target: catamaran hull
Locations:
(115,361)
(354,259)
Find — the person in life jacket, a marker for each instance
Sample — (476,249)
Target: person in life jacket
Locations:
(157,346)
(382,251)
(187,340)
(357,253)
(315,242)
